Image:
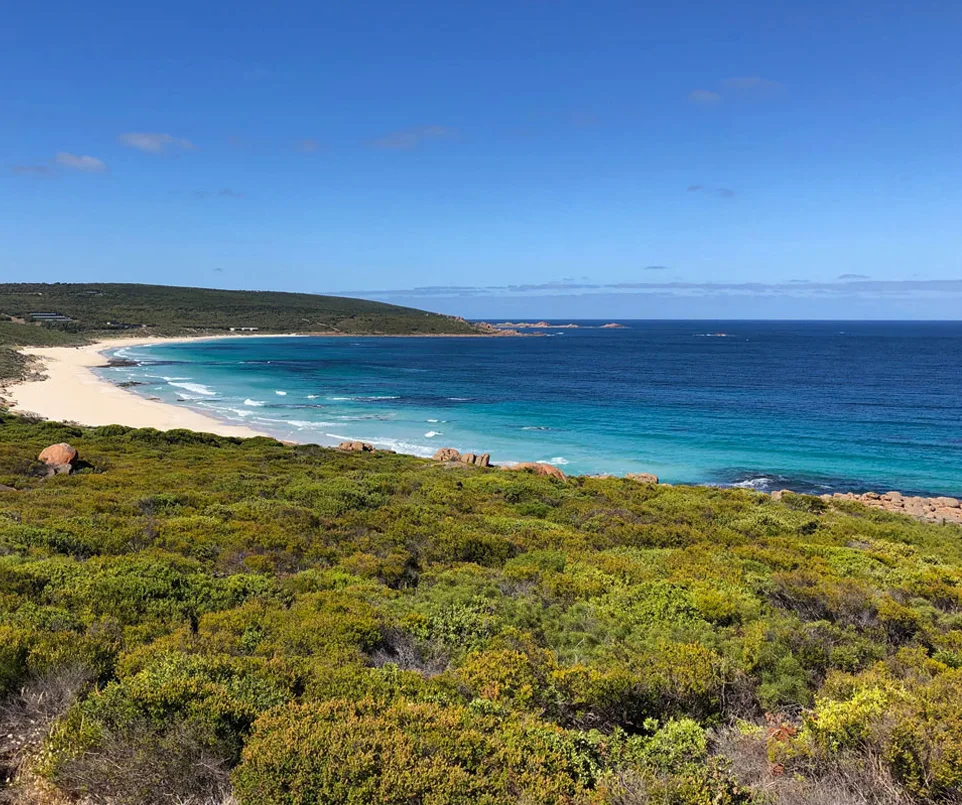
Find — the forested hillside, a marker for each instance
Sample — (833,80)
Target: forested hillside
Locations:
(41,314)
(188,618)
(167,310)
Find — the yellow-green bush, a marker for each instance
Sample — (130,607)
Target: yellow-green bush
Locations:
(583,637)
(341,753)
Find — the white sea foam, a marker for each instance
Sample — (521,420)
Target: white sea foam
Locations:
(281,393)
(559,460)
(432,433)
(195,388)
(312,396)
(253,403)
(398,445)
(301,424)
(362,398)
(761,483)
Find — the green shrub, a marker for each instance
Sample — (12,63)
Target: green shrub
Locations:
(341,753)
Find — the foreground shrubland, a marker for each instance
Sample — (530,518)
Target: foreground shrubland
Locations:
(195,619)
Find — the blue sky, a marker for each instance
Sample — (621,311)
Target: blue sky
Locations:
(533,157)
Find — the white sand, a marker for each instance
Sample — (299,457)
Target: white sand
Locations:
(71,392)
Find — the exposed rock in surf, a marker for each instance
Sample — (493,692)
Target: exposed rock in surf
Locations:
(356,447)
(642,477)
(938,509)
(447,454)
(612,326)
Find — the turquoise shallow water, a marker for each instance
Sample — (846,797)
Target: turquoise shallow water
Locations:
(814,406)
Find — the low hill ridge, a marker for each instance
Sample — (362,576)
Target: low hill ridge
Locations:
(174,310)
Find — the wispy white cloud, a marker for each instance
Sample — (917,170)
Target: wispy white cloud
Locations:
(721,192)
(87,164)
(870,289)
(412,138)
(224,192)
(754,84)
(32,170)
(739,88)
(155,142)
(704,97)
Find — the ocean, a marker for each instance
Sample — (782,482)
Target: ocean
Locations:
(810,406)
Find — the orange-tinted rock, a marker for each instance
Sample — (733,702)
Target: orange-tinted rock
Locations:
(476,459)
(539,468)
(447,454)
(58,454)
(642,477)
(356,447)
(938,509)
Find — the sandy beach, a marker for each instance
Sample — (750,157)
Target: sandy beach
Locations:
(71,392)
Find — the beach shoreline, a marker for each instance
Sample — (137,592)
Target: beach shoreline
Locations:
(64,387)
(61,385)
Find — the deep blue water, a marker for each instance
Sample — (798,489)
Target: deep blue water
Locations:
(814,406)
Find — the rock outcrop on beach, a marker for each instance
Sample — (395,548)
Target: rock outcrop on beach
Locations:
(934,510)
(612,325)
(60,458)
(642,477)
(474,459)
(939,509)
(356,447)
(539,468)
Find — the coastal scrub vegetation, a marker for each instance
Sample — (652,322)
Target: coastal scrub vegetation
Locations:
(105,308)
(189,618)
